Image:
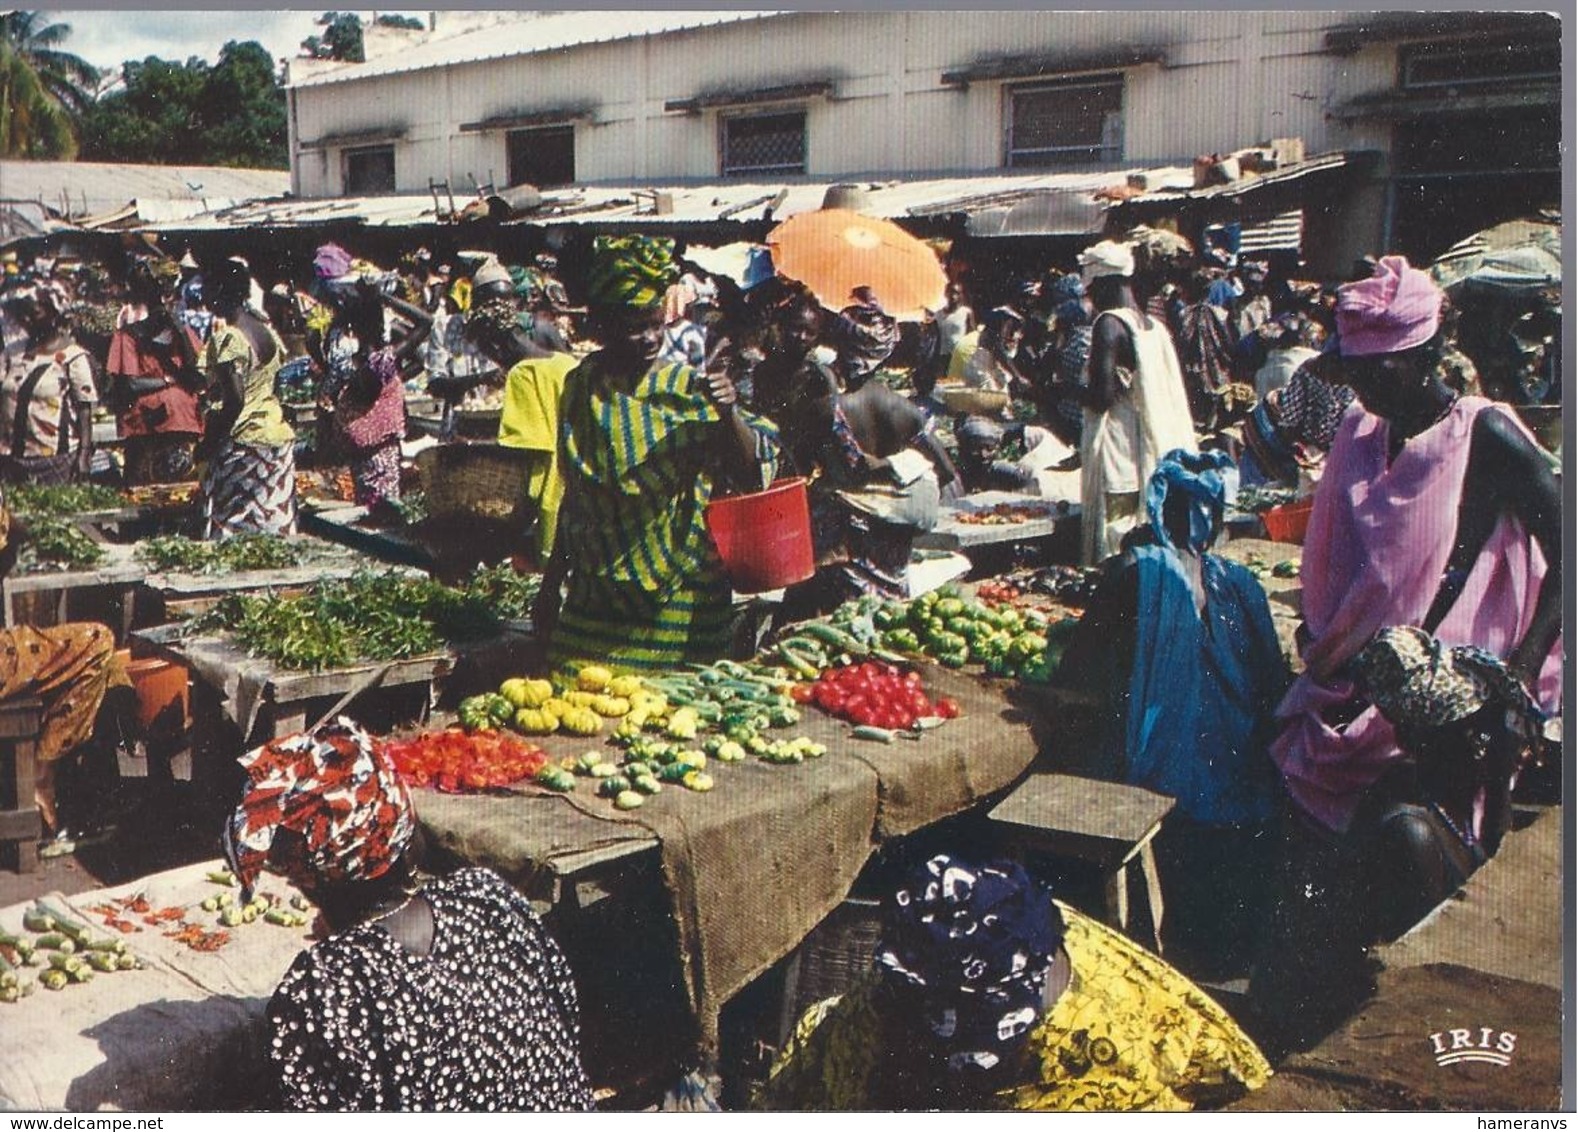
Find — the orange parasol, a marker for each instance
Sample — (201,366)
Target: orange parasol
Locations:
(833,251)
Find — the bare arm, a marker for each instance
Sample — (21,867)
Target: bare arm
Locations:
(1110,348)
(421,323)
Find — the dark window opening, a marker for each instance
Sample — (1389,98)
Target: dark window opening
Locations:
(543,156)
(1456,174)
(370,170)
(1077,121)
(763,143)
(1467,64)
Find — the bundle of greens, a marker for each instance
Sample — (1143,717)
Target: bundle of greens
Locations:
(244,552)
(365,617)
(55,544)
(508,593)
(33,501)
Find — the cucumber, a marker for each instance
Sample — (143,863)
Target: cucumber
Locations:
(877,734)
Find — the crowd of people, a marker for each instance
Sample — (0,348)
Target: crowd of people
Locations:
(1369,782)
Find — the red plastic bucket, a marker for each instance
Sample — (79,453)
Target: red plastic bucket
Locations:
(764,538)
(1288,522)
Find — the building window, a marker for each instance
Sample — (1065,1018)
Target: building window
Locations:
(1076,121)
(1423,65)
(763,143)
(543,156)
(370,170)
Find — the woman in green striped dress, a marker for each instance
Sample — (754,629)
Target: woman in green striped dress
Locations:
(643,446)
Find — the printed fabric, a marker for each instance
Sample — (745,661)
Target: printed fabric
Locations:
(488,1020)
(337,792)
(1128,1034)
(646,588)
(64,386)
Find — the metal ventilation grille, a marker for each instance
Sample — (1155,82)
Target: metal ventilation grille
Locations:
(764,143)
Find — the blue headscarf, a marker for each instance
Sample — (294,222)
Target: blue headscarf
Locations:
(1066,288)
(972,945)
(1198,475)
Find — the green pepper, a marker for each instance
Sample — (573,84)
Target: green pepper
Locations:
(1036,670)
(956,658)
(949,607)
(889,616)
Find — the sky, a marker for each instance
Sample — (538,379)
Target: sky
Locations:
(108,37)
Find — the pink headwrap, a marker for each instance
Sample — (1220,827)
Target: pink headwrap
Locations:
(1397,308)
(331,261)
(677,301)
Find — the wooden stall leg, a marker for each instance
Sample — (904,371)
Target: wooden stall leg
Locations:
(1153,891)
(1118,898)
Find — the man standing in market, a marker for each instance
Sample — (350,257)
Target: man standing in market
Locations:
(1135,407)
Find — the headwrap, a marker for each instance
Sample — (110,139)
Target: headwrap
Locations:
(337,791)
(491,274)
(1197,477)
(1415,680)
(974,945)
(630,271)
(1397,308)
(497,316)
(1106,258)
(865,335)
(331,261)
(1066,288)
(997,317)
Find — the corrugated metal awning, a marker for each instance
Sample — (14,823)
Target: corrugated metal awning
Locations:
(1283,232)
(1036,204)
(1326,163)
(524,119)
(1038,66)
(815,88)
(375,136)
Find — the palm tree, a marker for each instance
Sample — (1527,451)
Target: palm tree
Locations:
(42,88)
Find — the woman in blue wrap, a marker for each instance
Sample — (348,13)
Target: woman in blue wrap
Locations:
(1179,648)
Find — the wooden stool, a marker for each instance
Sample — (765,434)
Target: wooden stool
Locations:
(1107,824)
(21,720)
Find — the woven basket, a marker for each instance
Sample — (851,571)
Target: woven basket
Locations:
(838,952)
(482,481)
(960,399)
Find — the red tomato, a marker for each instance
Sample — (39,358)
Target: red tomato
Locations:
(947,708)
(800,693)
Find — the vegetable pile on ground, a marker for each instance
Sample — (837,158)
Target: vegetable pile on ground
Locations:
(1257,565)
(1254,500)
(196,556)
(337,623)
(455,761)
(65,950)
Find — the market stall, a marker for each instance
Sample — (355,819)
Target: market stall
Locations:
(182,1031)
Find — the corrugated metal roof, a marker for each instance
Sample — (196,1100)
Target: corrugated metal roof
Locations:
(527,36)
(1327,162)
(994,204)
(88,188)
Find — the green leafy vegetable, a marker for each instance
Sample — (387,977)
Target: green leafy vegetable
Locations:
(244,552)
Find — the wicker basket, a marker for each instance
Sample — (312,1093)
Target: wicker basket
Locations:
(962,399)
(838,952)
(482,481)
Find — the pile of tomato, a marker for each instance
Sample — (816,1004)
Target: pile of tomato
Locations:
(454,761)
(872,694)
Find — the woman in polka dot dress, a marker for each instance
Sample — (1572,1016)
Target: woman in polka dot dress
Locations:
(437,995)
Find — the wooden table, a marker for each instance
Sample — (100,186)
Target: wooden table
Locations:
(951,533)
(1109,824)
(56,597)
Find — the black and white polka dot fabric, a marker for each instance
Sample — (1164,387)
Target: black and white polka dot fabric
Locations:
(486,1022)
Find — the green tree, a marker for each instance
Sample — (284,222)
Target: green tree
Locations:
(406,23)
(167,113)
(341,39)
(41,87)
(243,109)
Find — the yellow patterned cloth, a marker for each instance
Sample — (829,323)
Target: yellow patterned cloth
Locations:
(1128,1034)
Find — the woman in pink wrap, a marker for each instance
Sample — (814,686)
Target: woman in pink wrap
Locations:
(1436,510)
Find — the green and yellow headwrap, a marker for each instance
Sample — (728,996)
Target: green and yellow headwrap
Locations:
(631,271)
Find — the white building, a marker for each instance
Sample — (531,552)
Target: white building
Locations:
(1462,106)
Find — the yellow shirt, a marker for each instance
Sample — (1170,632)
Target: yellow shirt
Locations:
(530,420)
(262,418)
(1128,1034)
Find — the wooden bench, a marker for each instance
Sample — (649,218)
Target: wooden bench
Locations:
(21,720)
(1108,824)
